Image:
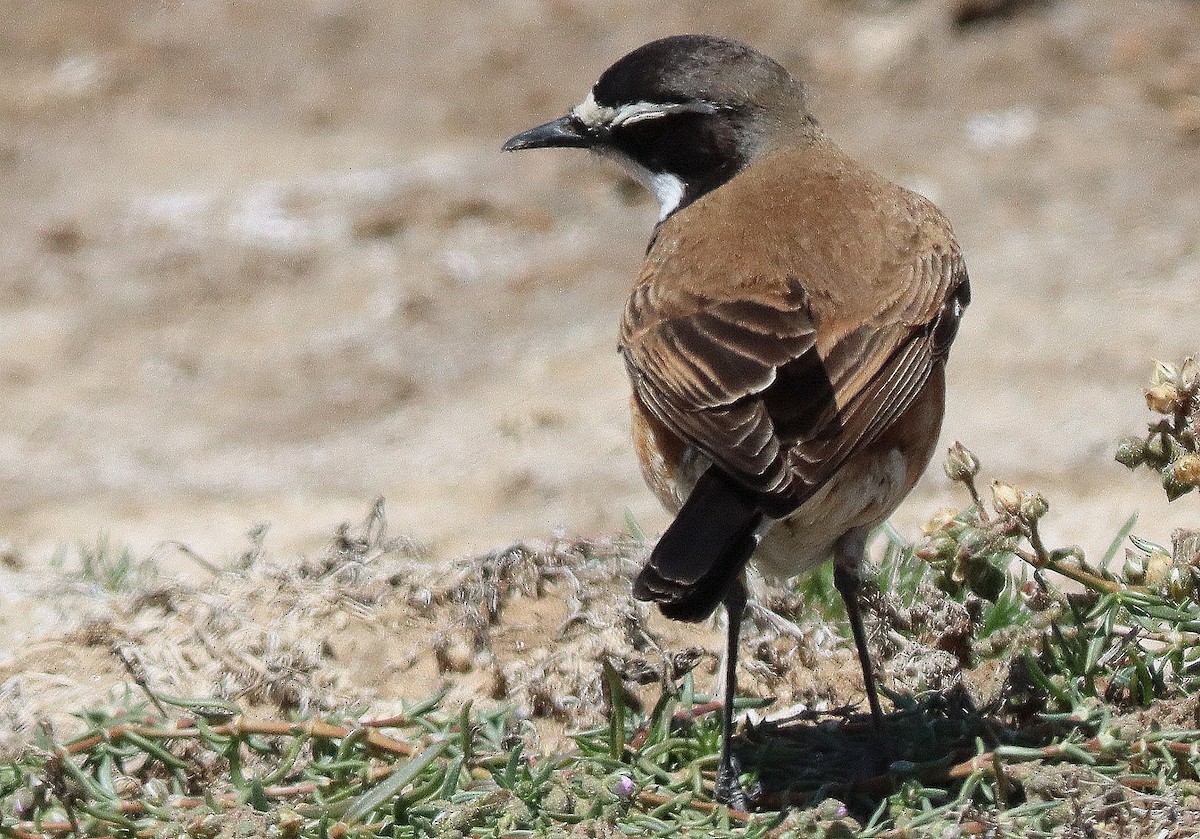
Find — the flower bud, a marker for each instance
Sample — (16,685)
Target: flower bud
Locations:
(1134,568)
(961,464)
(936,549)
(1179,583)
(155,791)
(1131,451)
(624,787)
(1164,374)
(1189,376)
(1172,487)
(25,802)
(289,823)
(1158,451)
(126,786)
(943,519)
(1006,498)
(1071,555)
(1157,566)
(1033,505)
(1163,399)
(1186,470)
(204,827)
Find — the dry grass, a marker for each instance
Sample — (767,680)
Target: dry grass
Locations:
(542,700)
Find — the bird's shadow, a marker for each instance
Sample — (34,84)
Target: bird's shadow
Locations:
(801,761)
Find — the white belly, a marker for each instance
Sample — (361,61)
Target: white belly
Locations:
(805,539)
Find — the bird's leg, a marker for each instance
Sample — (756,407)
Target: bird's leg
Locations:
(728,790)
(847,579)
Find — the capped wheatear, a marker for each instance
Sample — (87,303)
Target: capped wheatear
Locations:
(786,338)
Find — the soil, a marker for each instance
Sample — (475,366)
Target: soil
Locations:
(264,263)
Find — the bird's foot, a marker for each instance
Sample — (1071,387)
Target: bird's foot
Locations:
(728,788)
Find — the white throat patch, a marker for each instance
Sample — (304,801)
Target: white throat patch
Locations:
(668,188)
(664,186)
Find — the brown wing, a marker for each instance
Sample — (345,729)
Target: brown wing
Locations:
(749,383)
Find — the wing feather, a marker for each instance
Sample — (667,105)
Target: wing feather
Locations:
(748,383)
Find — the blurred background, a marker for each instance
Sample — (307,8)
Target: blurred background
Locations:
(263,261)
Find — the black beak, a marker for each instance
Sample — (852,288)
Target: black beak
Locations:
(564,133)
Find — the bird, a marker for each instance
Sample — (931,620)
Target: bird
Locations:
(786,338)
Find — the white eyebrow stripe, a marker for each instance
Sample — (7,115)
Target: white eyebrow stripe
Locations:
(643,111)
(593,114)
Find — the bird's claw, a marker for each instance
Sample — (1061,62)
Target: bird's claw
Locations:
(728,789)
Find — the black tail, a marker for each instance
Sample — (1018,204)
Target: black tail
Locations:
(706,547)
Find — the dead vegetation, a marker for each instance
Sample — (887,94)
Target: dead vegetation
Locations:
(272,694)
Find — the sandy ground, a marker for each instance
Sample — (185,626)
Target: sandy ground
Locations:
(263,262)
